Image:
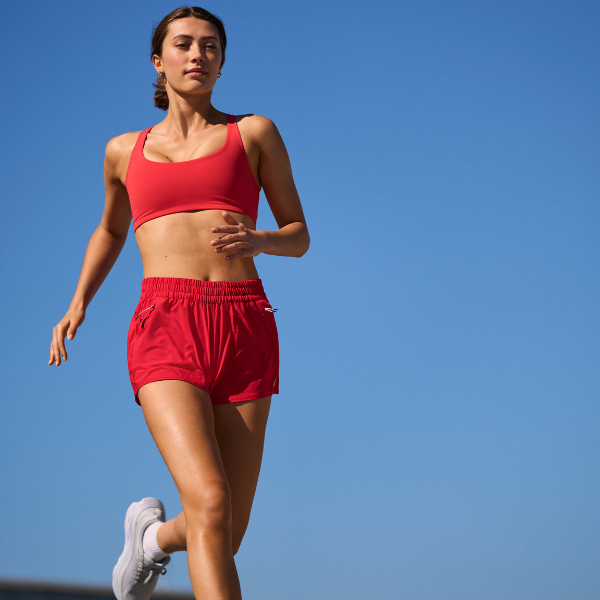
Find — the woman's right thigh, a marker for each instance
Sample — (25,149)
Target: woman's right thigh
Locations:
(181,420)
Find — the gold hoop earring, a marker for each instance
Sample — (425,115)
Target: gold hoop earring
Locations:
(219,75)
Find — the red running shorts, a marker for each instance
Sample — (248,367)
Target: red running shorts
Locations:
(218,335)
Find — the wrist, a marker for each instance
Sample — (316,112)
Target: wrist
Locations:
(263,241)
(77,304)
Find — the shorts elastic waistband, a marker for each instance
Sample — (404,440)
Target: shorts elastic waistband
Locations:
(206,291)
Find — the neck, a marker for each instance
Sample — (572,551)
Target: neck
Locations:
(189,113)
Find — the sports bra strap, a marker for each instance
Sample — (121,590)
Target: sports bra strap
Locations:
(231,122)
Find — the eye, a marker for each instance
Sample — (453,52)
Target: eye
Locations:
(181,45)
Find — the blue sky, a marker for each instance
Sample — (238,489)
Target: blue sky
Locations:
(436,435)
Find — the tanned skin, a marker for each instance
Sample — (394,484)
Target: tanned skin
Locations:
(214,453)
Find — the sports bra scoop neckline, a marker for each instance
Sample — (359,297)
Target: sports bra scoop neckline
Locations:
(160,162)
(220,180)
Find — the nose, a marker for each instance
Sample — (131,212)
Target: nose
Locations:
(196,53)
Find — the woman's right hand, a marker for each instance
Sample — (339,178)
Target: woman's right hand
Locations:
(67,326)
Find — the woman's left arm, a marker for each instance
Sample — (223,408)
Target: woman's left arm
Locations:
(275,174)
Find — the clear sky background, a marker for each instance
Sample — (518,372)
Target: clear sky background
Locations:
(437,432)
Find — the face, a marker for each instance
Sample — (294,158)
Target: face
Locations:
(191,55)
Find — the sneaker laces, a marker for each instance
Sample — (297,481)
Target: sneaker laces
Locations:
(153,574)
(150,571)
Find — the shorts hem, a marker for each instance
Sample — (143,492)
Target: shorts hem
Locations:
(164,378)
(246,397)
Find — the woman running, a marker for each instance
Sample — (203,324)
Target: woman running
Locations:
(202,345)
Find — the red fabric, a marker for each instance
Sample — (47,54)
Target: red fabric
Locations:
(216,335)
(221,180)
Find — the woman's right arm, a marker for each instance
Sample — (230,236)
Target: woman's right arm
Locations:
(104,246)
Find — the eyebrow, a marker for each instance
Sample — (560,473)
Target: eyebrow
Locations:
(190,37)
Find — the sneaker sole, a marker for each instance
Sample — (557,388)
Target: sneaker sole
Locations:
(126,557)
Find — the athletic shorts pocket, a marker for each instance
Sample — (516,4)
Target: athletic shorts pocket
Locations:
(143,311)
(264,307)
(143,315)
(268,312)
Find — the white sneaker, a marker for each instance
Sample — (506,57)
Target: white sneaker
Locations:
(135,575)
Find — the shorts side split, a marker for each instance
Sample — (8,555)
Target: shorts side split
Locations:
(218,335)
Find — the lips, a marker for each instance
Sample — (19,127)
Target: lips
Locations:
(196,72)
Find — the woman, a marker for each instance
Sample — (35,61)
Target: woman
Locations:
(202,343)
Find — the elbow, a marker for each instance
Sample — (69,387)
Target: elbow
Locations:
(303,249)
(117,231)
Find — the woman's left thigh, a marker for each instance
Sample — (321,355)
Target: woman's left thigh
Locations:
(240,431)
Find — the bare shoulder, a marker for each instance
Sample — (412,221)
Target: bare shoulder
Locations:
(118,152)
(121,145)
(260,129)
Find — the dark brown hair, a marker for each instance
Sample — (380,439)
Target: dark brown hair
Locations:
(161,100)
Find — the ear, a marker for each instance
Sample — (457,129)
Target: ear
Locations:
(157,62)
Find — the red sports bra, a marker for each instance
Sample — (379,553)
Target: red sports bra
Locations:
(222,179)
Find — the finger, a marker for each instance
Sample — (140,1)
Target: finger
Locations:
(233,246)
(226,239)
(55,352)
(228,218)
(225,229)
(62,349)
(60,342)
(241,254)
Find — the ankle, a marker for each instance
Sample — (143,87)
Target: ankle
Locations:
(150,543)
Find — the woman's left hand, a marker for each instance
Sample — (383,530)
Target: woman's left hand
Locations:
(240,241)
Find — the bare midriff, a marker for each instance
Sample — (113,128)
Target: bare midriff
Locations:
(178,245)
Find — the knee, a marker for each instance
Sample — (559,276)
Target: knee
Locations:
(208,507)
